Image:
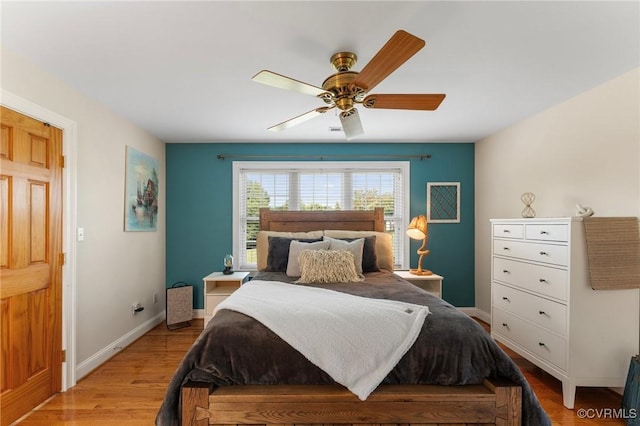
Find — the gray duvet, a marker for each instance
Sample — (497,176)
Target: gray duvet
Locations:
(452,349)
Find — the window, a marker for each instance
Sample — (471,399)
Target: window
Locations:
(317,185)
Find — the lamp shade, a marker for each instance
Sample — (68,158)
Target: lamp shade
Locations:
(417,228)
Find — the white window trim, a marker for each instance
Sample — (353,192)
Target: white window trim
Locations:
(405,166)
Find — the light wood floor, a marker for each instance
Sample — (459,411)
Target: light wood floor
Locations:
(128,389)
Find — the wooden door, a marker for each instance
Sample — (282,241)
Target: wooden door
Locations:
(30,264)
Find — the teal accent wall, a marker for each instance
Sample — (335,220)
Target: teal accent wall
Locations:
(199,205)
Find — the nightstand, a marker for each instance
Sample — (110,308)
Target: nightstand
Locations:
(217,287)
(431,283)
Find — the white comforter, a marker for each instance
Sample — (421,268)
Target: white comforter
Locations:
(356,340)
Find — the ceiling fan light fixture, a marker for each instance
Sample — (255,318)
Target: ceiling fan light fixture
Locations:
(345,88)
(351,123)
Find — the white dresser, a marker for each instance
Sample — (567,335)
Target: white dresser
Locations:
(543,306)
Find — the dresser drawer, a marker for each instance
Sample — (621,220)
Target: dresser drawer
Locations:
(542,343)
(544,280)
(543,312)
(543,232)
(538,252)
(507,230)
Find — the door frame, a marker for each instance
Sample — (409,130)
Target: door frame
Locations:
(69,222)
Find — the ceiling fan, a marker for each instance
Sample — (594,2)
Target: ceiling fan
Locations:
(346,88)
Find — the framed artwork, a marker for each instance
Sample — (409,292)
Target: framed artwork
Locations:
(443,202)
(141,192)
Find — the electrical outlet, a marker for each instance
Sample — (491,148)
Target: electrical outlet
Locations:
(155,298)
(135,308)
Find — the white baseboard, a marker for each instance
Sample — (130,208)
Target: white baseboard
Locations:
(471,311)
(484,316)
(475,312)
(100,357)
(198,313)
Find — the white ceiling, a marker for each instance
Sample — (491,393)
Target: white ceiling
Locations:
(182,70)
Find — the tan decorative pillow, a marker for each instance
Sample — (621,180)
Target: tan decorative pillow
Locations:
(262,243)
(384,245)
(327,266)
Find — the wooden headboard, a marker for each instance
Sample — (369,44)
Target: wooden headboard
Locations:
(303,221)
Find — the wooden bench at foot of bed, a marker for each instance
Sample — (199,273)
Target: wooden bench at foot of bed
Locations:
(494,402)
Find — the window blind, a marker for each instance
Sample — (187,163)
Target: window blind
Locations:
(318,186)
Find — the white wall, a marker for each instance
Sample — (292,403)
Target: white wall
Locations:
(113,268)
(584,150)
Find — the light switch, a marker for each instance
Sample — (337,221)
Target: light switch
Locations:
(80,234)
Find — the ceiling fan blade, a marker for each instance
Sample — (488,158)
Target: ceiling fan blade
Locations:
(400,47)
(283,82)
(351,123)
(419,102)
(299,119)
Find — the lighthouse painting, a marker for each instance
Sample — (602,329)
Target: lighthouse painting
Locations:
(141,200)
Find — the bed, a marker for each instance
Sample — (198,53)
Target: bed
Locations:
(238,371)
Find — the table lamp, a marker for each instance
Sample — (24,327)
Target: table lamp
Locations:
(418,231)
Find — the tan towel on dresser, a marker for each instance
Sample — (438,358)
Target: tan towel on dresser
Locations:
(613,251)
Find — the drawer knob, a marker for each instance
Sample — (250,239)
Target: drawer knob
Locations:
(542,312)
(506,231)
(505,325)
(541,344)
(506,248)
(542,280)
(544,253)
(506,298)
(505,271)
(544,233)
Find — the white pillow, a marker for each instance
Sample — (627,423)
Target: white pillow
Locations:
(355,247)
(295,248)
(384,244)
